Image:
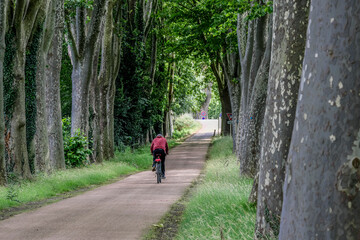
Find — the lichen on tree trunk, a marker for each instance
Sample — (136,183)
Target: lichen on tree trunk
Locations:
(284,77)
(321,187)
(254,75)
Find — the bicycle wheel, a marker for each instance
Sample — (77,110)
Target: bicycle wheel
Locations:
(158,172)
(158,178)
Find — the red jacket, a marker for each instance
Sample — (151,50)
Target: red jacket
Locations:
(159,142)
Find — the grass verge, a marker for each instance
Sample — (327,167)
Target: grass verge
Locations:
(216,207)
(46,186)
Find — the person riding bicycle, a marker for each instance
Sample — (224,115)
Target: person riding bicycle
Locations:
(159,146)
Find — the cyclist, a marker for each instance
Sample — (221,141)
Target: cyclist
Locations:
(159,146)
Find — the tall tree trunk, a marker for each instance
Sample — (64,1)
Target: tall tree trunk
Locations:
(83,40)
(231,68)
(80,95)
(3,7)
(45,21)
(53,106)
(245,61)
(23,21)
(105,78)
(111,47)
(224,97)
(225,108)
(19,153)
(322,181)
(116,60)
(254,67)
(110,99)
(257,112)
(153,58)
(110,116)
(284,78)
(167,113)
(95,106)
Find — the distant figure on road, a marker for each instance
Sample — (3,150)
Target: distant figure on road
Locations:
(159,146)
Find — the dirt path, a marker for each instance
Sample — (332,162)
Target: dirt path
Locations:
(122,210)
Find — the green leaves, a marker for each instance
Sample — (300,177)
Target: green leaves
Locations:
(202,27)
(75,147)
(72,4)
(259,9)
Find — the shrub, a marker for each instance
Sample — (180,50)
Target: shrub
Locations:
(75,147)
(184,125)
(180,134)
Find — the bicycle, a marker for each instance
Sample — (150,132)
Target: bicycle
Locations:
(158,171)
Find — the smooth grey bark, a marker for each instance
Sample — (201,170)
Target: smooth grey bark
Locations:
(22,26)
(46,19)
(3,7)
(289,31)
(52,85)
(322,181)
(83,40)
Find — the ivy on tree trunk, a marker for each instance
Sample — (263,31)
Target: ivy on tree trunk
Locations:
(24,16)
(3,5)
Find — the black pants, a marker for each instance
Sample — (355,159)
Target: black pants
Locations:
(162,157)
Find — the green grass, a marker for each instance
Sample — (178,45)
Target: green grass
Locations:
(218,208)
(47,186)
